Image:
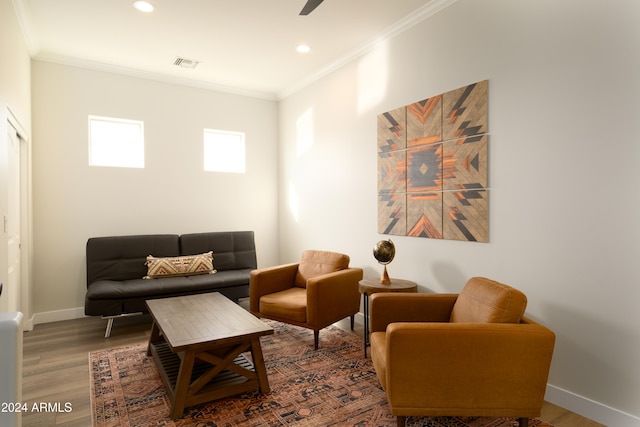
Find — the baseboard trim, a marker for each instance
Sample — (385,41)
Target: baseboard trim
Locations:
(58,315)
(591,409)
(27,324)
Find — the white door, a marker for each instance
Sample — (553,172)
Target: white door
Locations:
(12,223)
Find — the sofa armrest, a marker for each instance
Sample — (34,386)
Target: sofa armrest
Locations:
(442,365)
(386,308)
(333,296)
(269,280)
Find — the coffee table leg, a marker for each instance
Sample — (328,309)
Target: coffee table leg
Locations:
(154,337)
(182,384)
(258,364)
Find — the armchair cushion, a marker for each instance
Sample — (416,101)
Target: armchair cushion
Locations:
(289,304)
(487,301)
(405,307)
(315,263)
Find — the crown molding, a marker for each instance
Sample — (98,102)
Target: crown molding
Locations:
(24,20)
(148,75)
(399,27)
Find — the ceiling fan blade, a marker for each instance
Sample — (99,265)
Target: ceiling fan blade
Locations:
(311,4)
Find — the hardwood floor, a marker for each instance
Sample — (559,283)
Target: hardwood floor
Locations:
(56,369)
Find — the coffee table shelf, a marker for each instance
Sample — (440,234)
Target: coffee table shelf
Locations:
(168,364)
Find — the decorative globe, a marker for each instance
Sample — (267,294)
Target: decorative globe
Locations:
(384,251)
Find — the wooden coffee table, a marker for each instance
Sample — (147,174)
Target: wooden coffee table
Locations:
(197,342)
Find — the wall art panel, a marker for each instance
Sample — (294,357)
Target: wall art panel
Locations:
(433,167)
(465,162)
(392,172)
(392,214)
(424,121)
(466,215)
(392,130)
(465,111)
(424,168)
(424,215)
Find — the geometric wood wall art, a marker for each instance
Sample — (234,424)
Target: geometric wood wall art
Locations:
(432,167)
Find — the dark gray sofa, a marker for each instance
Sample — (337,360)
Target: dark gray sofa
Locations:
(116,267)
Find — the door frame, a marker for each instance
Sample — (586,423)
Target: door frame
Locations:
(26,213)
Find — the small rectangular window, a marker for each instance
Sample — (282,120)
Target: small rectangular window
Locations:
(116,142)
(224,151)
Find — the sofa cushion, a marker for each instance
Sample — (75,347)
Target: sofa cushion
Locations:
(487,301)
(222,279)
(124,289)
(315,263)
(233,250)
(186,265)
(123,257)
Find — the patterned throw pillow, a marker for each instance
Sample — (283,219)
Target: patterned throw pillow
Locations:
(187,265)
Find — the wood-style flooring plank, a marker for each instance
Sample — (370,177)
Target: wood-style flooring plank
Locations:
(56,365)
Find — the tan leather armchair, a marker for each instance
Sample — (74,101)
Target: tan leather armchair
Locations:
(467,354)
(319,290)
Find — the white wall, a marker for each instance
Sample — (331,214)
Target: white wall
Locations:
(172,194)
(15,100)
(15,72)
(564,84)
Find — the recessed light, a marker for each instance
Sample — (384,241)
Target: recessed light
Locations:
(143,6)
(303,48)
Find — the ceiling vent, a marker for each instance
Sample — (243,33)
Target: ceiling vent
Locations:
(186,63)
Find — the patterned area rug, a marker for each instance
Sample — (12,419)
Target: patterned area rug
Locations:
(333,386)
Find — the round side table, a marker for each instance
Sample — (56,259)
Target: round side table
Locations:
(371,286)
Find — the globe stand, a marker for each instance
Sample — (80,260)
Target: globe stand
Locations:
(384,279)
(384,251)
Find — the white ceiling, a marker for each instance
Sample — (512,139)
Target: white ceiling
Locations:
(244,46)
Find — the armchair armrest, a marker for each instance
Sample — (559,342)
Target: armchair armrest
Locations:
(441,365)
(386,308)
(269,280)
(333,296)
